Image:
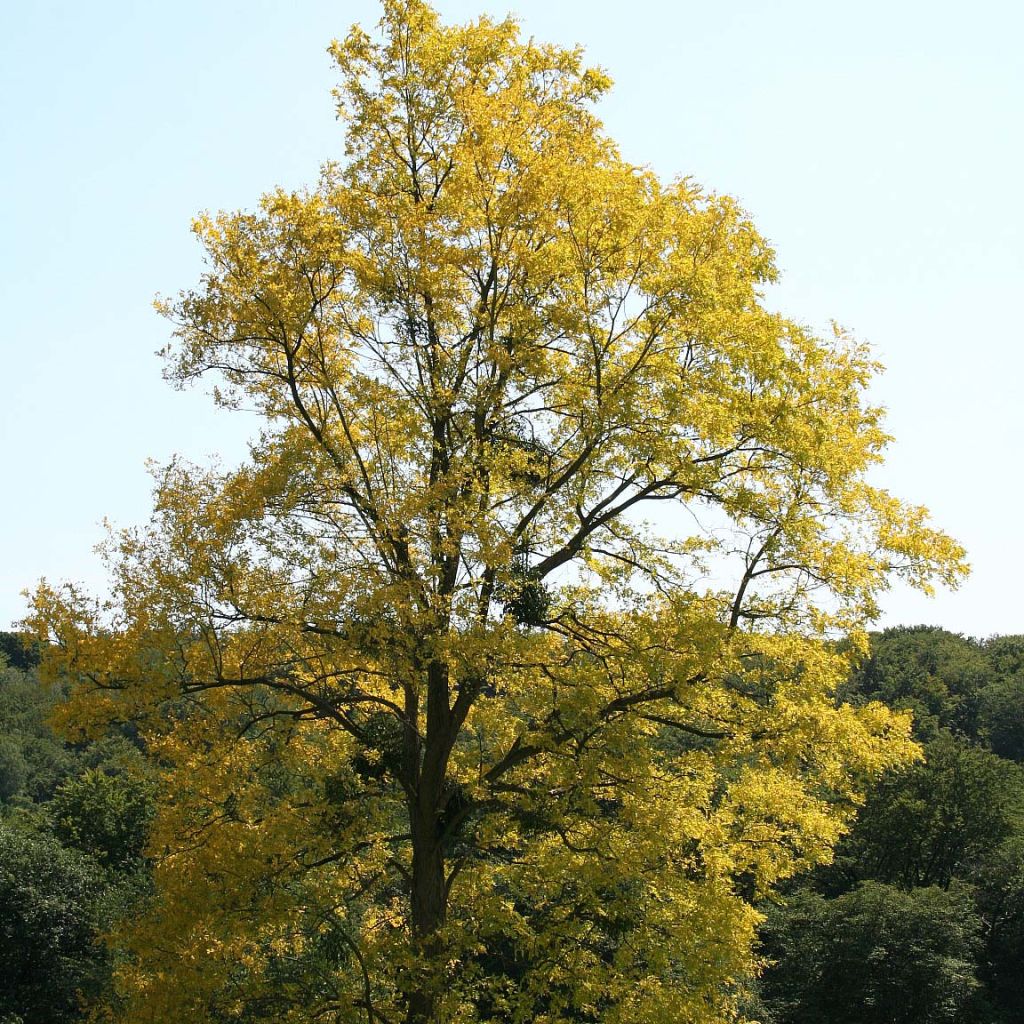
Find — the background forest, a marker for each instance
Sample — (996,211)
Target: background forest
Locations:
(920,918)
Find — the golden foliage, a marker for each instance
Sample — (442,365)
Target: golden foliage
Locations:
(449,730)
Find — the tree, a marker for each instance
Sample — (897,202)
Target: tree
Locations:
(53,905)
(934,673)
(56,900)
(105,813)
(1000,884)
(876,955)
(1001,703)
(33,761)
(933,821)
(416,667)
(17,651)
(1002,717)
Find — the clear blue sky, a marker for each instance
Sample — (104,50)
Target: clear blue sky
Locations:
(879,145)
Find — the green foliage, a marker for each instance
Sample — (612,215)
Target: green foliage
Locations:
(523,593)
(936,674)
(972,688)
(73,822)
(924,825)
(53,904)
(1005,654)
(105,813)
(33,761)
(1000,904)
(1001,716)
(945,833)
(876,955)
(18,651)
(13,768)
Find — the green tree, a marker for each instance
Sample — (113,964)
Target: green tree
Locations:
(1000,901)
(1006,654)
(13,768)
(1001,701)
(53,905)
(932,822)
(953,821)
(106,813)
(55,899)
(876,955)
(18,650)
(936,674)
(33,760)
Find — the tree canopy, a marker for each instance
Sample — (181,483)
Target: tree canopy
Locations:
(72,824)
(924,893)
(875,955)
(499,681)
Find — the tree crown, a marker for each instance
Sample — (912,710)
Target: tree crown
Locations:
(472,738)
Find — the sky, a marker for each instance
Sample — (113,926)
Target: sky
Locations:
(878,145)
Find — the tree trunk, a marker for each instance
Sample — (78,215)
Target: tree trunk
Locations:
(428,915)
(428,897)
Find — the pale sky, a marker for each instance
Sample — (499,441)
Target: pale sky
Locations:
(878,145)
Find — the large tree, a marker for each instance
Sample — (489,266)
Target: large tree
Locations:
(498,682)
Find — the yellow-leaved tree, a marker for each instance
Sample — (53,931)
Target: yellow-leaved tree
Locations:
(498,684)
